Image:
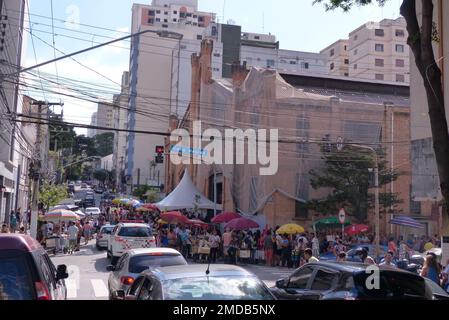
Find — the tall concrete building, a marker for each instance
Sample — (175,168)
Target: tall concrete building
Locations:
(93,122)
(374,51)
(12,143)
(104,117)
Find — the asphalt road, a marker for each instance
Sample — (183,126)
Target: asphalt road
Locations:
(88,278)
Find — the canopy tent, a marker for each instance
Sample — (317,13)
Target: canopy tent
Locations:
(330,222)
(186,196)
(407,222)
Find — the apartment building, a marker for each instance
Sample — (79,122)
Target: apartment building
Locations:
(104,117)
(337,55)
(93,122)
(379,50)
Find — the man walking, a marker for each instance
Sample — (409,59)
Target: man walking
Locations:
(214,240)
(72,231)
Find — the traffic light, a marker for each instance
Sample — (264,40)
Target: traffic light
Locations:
(159,154)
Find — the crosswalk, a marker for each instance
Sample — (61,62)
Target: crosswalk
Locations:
(95,288)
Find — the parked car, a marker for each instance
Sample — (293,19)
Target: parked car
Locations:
(83,186)
(126,236)
(352,252)
(92,211)
(99,190)
(89,200)
(348,281)
(135,261)
(26,271)
(103,236)
(196,282)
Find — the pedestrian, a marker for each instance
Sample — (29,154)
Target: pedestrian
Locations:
(268,248)
(227,237)
(232,250)
(5,228)
(392,246)
(286,251)
(73,233)
(342,256)
(364,257)
(12,222)
(214,240)
(87,229)
(278,250)
(431,269)
(338,247)
(315,245)
(388,260)
(308,256)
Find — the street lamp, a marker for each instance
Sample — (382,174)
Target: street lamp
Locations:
(376,194)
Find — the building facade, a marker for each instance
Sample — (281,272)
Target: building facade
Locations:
(337,55)
(104,117)
(93,122)
(306,109)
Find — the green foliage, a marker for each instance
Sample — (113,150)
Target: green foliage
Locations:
(104,144)
(50,195)
(346,5)
(101,175)
(346,174)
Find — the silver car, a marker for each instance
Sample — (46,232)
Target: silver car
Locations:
(103,236)
(134,261)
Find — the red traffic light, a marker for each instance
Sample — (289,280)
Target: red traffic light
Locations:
(159,149)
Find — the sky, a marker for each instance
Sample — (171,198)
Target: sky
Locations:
(297,24)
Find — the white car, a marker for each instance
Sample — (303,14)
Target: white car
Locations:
(103,236)
(127,236)
(92,211)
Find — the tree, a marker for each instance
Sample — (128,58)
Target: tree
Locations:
(350,182)
(420,40)
(101,175)
(50,195)
(104,144)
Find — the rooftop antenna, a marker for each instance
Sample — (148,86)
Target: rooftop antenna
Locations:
(223,13)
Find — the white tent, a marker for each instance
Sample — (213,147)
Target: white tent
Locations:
(185,196)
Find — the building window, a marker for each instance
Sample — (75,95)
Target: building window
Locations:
(400,63)
(400,33)
(217,55)
(164,26)
(346,74)
(346,61)
(151,13)
(379,62)
(400,78)
(183,47)
(379,32)
(332,52)
(158,20)
(355,52)
(175,12)
(199,37)
(216,69)
(282,61)
(292,62)
(302,129)
(332,66)
(166,12)
(158,11)
(182,14)
(355,66)
(174,20)
(270,63)
(200,19)
(188,14)
(150,20)
(379,76)
(165,20)
(257,37)
(305,65)
(399,48)
(379,47)
(195,23)
(415,206)
(346,48)
(195,16)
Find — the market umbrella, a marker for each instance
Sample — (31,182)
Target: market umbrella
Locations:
(60,215)
(290,228)
(356,229)
(225,217)
(407,222)
(330,222)
(242,224)
(174,217)
(143,209)
(116,201)
(149,206)
(134,203)
(160,221)
(80,213)
(197,223)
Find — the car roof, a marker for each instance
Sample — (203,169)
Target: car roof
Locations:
(197,270)
(22,242)
(351,267)
(129,224)
(139,251)
(90,208)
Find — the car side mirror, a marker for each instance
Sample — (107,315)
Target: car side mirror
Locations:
(110,268)
(281,283)
(61,272)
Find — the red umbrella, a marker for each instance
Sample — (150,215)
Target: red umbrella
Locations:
(174,217)
(356,229)
(225,217)
(242,224)
(197,223)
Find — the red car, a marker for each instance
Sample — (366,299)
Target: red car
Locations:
(26,271)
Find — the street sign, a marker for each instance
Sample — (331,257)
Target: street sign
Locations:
(339,143)
(342,215)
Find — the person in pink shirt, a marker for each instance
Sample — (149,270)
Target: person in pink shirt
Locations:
(87,229)
(227,236)
(392,246)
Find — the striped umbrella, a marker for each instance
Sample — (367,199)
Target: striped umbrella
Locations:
(407,222)
(60,215)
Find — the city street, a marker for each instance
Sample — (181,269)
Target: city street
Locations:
(88,278)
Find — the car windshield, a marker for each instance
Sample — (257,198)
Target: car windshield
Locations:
(140,263)
(138,232)
(391,285)
(216,288)
(107,230)
(14,279)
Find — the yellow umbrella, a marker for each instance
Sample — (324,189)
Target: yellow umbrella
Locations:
(116,201)
(290,228)
(162,221)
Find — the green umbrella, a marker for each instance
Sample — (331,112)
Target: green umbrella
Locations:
(330,222)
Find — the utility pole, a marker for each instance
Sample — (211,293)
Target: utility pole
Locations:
(37,167)
(376,205)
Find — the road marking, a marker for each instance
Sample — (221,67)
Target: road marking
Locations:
(100,289)
(71,288)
